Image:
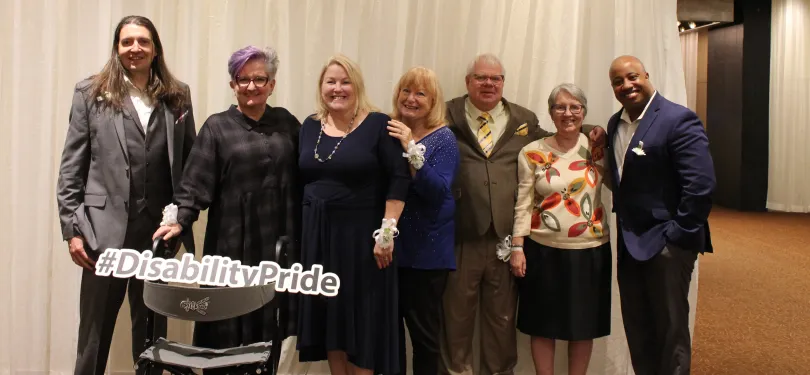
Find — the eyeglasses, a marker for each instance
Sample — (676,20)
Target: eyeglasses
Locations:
(560,109)
(257,81)
(480,78)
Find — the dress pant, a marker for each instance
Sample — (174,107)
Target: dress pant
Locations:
(100,299)
(655,309)
(420,307)
(479,275)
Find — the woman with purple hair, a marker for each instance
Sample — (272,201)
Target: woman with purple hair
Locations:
(243,169)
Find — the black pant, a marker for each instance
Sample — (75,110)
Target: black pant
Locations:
(100,299)
(655,309)
(420,307)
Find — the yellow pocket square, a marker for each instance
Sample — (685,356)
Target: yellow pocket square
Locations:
(522,130)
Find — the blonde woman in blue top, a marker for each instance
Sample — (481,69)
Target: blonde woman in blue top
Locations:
(425,242)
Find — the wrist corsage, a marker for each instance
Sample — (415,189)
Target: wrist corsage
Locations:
(169,215)
(504,249)
(386,234)
(415,154)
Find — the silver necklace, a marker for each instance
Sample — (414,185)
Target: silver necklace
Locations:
(318,142)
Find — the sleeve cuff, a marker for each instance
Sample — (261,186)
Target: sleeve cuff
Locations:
(70,231)
(521,234)
(521,228)
(185,217)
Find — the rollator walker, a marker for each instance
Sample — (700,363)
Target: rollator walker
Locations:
(205,305)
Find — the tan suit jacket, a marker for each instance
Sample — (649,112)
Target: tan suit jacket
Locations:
(486,188)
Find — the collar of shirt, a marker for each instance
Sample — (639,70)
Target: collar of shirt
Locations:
(626,118)
(250,124)
(135,92)
(474,112)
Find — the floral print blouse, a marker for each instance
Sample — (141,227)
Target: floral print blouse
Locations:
(559,200)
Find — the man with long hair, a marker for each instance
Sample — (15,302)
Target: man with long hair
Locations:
(131,129)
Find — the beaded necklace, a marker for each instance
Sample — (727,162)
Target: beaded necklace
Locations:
(318,142)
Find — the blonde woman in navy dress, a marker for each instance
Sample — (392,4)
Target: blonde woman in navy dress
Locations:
(354,177)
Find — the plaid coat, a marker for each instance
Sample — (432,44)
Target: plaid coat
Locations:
(245,173)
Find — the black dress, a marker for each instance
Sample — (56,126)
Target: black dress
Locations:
(245,173)
(343,203)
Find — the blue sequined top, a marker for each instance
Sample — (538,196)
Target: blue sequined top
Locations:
(427,226)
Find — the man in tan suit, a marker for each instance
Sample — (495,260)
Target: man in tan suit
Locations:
(490,131)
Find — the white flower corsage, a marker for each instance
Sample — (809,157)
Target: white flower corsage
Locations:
(639,150)
(169,215)
(504,249)
(415,154)
(385,235)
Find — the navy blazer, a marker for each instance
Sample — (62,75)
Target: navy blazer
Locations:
(664,196)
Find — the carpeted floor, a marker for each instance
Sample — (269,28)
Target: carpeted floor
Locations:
(753,312)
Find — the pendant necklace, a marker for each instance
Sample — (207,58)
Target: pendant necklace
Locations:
(318,142)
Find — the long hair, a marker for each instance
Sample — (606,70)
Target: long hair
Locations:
(356,78)
(162,86)
(424,79)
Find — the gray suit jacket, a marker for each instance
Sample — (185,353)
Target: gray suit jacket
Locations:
(93,186)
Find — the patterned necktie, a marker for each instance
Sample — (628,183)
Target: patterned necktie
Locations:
(485,134)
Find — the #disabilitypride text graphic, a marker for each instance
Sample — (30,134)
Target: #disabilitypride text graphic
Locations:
(216,271)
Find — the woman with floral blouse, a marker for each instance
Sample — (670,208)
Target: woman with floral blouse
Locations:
(560,246)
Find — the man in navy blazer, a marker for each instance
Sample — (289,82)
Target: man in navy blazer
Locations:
(664,178)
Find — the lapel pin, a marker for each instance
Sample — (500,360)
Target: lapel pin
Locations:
(181,117)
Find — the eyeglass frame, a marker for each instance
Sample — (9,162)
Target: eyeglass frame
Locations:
(556,109)
(252,80)
(481,78)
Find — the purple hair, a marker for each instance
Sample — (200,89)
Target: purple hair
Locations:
(242,56)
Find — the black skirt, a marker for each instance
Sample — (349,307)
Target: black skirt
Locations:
(565,294)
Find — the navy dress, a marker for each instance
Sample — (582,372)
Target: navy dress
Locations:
(343,204)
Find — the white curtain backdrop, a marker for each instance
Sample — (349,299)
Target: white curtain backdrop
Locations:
(789,157)
(50,45)
(689,51)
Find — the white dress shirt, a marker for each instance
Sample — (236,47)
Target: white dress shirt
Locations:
(143,104)
(624,134)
